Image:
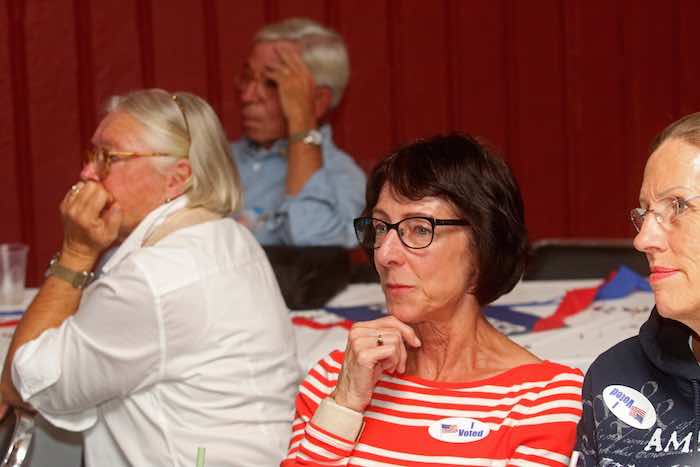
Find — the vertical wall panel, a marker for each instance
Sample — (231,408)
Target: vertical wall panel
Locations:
(689,65)
(420,74)
(52,107)
(178,42)
(116,50)
(366,110)
(570,90)
(212,52)
(480,77)
(648,42)
(594,76)
(85,68)
(10,207)
(314,9)
(236,27)
(537,123)
(336,118)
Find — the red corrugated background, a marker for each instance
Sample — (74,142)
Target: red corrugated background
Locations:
(570,91)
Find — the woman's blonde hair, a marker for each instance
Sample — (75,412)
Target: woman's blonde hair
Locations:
(686,129)
(183,124)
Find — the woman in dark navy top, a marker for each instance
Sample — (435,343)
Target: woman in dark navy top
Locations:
(641,398)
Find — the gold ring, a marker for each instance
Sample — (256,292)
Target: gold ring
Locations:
(380,340)
(76,188)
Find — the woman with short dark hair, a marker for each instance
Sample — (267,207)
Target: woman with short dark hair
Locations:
(434,382)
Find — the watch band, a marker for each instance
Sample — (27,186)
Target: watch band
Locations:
(78,279)
(312,137)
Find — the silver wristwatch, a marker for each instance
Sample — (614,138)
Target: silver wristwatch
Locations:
(78,279)
(311,137)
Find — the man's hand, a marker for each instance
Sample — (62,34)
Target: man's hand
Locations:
(296,88)
(91,221)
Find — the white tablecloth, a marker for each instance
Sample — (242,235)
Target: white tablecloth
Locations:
(584,336)
(50,447)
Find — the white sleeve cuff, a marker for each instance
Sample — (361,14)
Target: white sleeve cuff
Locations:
(35,369)
(30,374)
(341,421)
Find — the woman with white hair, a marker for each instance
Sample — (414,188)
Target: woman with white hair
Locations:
(183,339)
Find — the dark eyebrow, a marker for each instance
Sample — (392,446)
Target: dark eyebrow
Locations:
(379,212)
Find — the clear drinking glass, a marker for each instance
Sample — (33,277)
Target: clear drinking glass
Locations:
(13,270)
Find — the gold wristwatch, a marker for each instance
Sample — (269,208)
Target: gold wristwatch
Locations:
(78,279)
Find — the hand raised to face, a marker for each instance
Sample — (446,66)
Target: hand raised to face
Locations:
(295,86)
(91,220)
(373,348)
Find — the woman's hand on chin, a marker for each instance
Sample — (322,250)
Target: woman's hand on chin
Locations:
(373,347)
(91,220)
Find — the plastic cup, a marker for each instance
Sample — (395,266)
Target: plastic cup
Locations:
(13,270)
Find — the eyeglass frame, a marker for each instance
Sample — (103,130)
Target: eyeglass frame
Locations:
(657,216)
(109,157)
(265,84)
(395,226)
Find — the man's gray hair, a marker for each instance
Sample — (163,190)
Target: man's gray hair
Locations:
(184,124)
(323,51)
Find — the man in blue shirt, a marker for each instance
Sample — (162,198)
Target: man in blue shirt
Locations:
(300,189)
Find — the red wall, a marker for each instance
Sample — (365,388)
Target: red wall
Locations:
(571,91)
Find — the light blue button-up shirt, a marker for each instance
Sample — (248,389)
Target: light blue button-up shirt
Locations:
(321,214)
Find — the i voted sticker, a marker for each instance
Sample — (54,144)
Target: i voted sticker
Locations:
(458,430)
(630,406)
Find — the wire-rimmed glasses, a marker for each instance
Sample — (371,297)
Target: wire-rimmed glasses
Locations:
(414,232)
(103,158)
(664,211)
(265,87)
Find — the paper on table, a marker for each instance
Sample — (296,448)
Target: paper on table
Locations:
(9,316)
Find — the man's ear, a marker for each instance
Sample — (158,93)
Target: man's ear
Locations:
(178,176)
(323,96)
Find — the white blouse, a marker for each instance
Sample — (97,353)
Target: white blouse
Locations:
(179,345)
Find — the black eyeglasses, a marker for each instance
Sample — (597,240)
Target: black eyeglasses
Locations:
(414,232)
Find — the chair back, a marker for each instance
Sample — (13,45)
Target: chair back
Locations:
(575,258)
(21,440)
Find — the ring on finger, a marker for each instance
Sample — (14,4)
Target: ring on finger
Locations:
(75,189)
(380,340)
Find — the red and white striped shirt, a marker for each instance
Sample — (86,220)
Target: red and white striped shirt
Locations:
(525,416)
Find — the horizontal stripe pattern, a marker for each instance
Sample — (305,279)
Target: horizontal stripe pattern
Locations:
(531,414)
